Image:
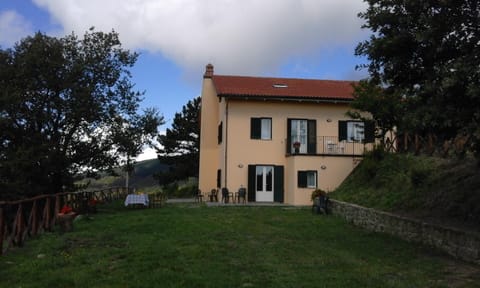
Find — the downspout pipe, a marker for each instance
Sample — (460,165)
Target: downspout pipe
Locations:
(226,142)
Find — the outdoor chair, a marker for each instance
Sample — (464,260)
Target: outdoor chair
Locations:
(320,205)
(341,148)
(226,195)
(157,199)
(199,196)
(213,196)
(330,147)
(241,194)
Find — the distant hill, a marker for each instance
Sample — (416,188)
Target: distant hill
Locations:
(141,177)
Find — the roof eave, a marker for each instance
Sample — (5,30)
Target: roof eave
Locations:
(287,98)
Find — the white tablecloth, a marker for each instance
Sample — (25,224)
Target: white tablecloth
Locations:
(133,199)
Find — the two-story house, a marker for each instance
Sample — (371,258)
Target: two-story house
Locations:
(279,138)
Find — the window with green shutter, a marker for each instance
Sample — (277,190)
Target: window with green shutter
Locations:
(278,183)
(302,136)
(307,179)
(356,131)
(261,128)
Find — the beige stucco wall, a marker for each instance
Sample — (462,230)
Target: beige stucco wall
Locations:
(223,145)
(331,171)
(237,150)
(209,152)
(243,151)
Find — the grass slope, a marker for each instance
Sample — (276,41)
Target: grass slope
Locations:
(428,187)
(197,246)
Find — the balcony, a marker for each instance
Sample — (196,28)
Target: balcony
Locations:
(327,146)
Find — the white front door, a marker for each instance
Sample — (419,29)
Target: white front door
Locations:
(264,184)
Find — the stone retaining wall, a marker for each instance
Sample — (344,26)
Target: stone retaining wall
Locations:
(458,243)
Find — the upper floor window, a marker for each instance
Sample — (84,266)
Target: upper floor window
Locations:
(302,136)
(261,128)
(356,131)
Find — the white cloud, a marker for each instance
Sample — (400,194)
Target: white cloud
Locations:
(13,27)
(237,36)
(148,153)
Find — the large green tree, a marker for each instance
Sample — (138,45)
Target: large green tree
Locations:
(66,106)
(385,110)
(425,55)
(181,144)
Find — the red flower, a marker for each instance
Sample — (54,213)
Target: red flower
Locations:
(66,209)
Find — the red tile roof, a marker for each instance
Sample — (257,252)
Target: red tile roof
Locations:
(286,88)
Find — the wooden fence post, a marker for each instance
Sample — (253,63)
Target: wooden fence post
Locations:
(20,226)
(47,215)
(2,229)
(57,209)
(417,144)
(431,148)
(32,221)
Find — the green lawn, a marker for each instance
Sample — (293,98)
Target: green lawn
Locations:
(198,246)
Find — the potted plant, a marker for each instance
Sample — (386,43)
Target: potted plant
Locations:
(296,146)
(320,201)
(317,193)
(65,218)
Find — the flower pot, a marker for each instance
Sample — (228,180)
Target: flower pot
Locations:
(65,221)
(296,147)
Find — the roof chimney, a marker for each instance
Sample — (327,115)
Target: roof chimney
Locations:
(208,71)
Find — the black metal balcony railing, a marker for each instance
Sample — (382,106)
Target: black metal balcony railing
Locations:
(327,145)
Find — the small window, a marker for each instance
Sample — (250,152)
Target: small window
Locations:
(261,128)
(307,179)
(280,85)
(219,178)
(220,133)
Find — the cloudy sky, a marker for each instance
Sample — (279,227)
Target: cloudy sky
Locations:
(177,38)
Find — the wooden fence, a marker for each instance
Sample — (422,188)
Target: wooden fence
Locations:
(430,144)
(26,218)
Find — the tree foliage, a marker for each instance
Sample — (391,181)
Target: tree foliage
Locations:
(384,109)
(181,143)
(425,55)
(132,135)
(64,104)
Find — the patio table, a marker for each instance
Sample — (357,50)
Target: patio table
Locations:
(134,199)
